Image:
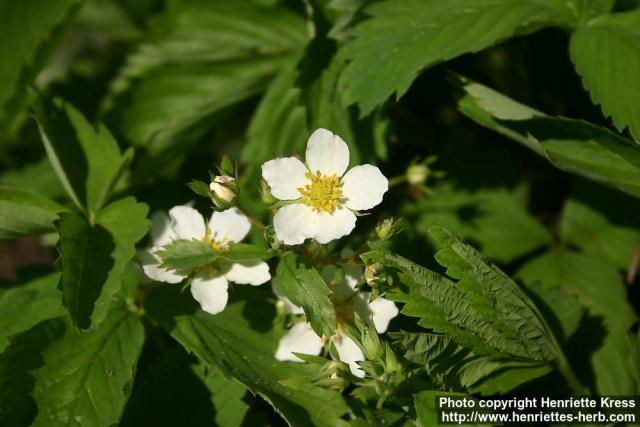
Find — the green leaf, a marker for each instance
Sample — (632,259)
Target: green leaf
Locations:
(186,254)
(22,356)
(87,161)
(606,53)
(200,58)
(574,146)
(456,368)
(87,376)
(37,177)
(93,258)
(495,219)
(26,30)
(22,307)
(598,286)
(240,343)
(226,396)
(306,288)
(200,188)
(413,35)
(484,310)
(602,222)
(23,213)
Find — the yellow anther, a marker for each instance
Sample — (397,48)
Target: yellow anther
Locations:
(323,194)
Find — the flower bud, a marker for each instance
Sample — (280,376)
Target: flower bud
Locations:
(265,193)
(387,228)
(224,191)
(373,274)
(371,343)
(417,174)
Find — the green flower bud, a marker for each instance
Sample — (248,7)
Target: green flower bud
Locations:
(224,191)
(387,228)
(417,174)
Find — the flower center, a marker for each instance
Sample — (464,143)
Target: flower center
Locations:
(323,194)
(218,245)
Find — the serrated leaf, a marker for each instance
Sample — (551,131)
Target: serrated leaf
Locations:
(87,376)
(24,306)
(93,258)
(23,213)
(305,287)
(456,368)
(412,35)
(230,342)
(484,310)
(37,177)
(186,254)
(199,58)
(87,161)
(22,356)
(598,286)
(606,53)
(27,30)
(245,252)
(572,145)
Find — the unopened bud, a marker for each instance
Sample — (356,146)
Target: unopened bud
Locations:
(387,228)
(373,274)
(371,343)
(265,193)
(224,191)
(417,174)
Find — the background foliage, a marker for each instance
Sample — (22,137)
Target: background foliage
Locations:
(109,107)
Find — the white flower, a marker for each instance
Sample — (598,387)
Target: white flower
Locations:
(302,339)
(209,286)
(323,197)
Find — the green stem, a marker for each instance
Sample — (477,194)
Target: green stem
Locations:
(570,376)
(255,221)
(396,180)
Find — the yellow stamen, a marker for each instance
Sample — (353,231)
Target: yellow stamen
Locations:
(323,194)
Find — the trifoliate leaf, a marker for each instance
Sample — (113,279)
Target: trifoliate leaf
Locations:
(93,258)
(304,287)
(606,53)
(403,37)
(87,161)
(483,310)
(23,213)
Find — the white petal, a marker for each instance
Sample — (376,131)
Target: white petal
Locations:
(363,187)
(210,292)
(327,153)
(151,267)
(349,353)
(299,339)
(161,231)
(333,225)
(187,222)
(284,176)
(249,273)
(291,307)
(231,225)
(294,223)
(382,311)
